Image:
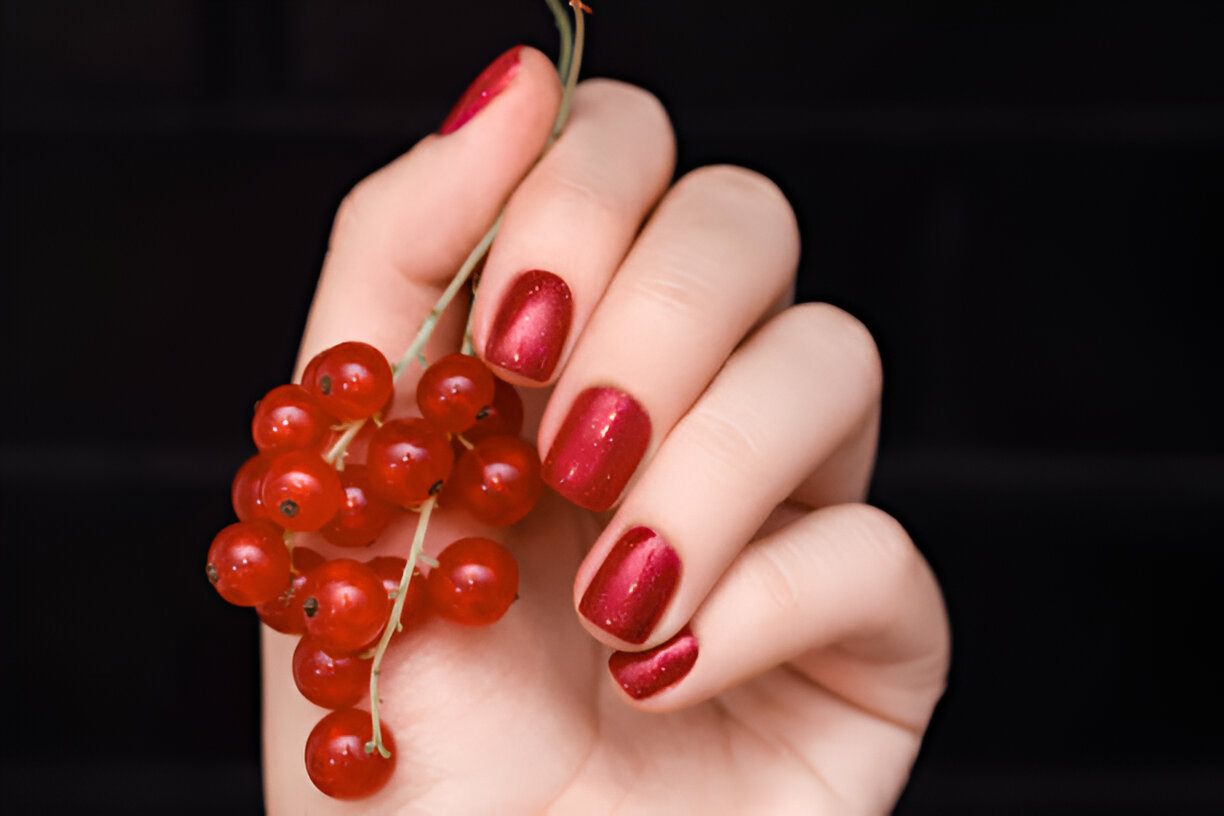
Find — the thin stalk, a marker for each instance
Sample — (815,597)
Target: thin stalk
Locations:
(393,624)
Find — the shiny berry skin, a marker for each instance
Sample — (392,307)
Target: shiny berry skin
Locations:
(504,417)
(247,489)
(351,380)
(300,491)
(248,563)
(284,612)
(330,681)
(345,605)
(497,481)
(289,418)
(474,583)
(363,513)
(336,759)
(409,460)
(416,600)
(453,391)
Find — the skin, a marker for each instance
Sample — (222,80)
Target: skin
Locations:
(824,642)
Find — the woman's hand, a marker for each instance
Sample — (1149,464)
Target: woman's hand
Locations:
(777,646)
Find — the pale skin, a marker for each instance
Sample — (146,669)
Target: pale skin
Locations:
(823,639)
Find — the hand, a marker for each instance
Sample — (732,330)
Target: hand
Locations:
(783,644)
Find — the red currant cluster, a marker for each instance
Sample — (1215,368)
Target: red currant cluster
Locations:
(464,450)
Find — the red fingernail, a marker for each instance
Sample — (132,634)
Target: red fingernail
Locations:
(531,326)
(628,594)
(643,674)
(492,81)
(598,448)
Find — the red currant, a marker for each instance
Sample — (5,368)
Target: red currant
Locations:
(504,417)
(248,563)
(289,418)
(345,604)
(326,680)
(363,514)
(284,613)
(453,391)
(498,481)
(416,600)
(301,492)
(409,460)
(351,380)
(248,487)
(474,583)
(336,759)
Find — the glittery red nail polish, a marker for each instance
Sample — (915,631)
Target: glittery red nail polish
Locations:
(643,674)
(628,594)
(492,81)
(532,323)
(598,448)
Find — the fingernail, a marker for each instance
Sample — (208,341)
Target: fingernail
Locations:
(628,594)
(531,325)
(598,448)
(492,81)
(643,674)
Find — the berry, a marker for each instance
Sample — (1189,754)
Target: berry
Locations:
(416,599)
(409,460)
(284,613)
(453,391)
(504,417)
(474,583)
(301,492)
(247,489)
(289,418)
(498,481)
(345,605)
(351,380)
(336,759)
(248,563)
(326,680)
(363,513)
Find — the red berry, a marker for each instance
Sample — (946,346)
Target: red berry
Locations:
(289,418)
(416,600)
(363,514)
(453,391)
(498,481)
(301,492)
(345,604)
(336,759)
(329,681)
(409,460)
(248,487)
(474,583)
(248,563)
(504,417)
(284,613)
(351,380)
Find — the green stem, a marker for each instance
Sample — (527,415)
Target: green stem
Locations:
(393,624)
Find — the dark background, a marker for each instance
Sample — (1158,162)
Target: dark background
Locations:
(1017,198)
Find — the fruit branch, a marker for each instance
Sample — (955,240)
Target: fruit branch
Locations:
(393,625)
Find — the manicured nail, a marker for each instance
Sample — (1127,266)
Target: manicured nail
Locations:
(531,326)
(598,448)
(628,594)
(492,81)
(643,674)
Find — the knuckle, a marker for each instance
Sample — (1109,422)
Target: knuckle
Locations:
(774,574)
(644,108)
(747,189)
(887,545)
(831,327)
(348,212)
(727,442)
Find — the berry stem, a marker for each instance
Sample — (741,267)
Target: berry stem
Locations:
(393,625)
(335,456)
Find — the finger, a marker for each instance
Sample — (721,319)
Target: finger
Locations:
(802,388)
(720,249)
(843,600)
(567,228)
(403,232)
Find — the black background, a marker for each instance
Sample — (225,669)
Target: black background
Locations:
(1017,198)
